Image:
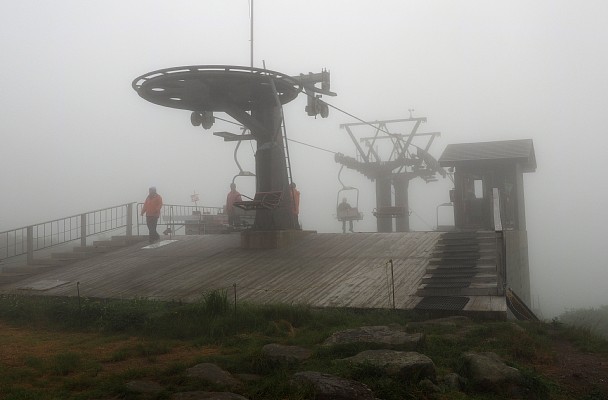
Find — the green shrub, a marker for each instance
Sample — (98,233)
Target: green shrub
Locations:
(215,303)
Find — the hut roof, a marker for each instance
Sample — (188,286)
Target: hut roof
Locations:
(517,151)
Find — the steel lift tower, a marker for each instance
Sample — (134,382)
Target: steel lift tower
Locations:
(392,160)
(254,97)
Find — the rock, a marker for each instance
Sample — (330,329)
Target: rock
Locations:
(428,386)
(487,371)
(376,334)
(517,328)
(453,381)
(144,387)
(213,374)
(330,387)
(405,364)
(278,353)
(249,377)
(207,396)
(455,320)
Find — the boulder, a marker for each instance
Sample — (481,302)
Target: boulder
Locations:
(429,387)
(198,395)
(330,387)
(144,387)
(408,365)
(488,371)
(213,374)
(453,382)
(455,320)
(281,354)
(376,334)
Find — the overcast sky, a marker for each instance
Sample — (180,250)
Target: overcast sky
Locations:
(76,137)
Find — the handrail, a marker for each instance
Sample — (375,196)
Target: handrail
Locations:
(174,216)
(26,240)
(501,252)
(496,210)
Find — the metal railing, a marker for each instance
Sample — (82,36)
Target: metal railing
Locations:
(175,217)
(501,263)
(27,240)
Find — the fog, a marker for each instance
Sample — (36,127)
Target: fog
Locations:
(76,137)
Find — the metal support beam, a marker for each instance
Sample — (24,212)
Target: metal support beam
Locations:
(401,183)
(383,199)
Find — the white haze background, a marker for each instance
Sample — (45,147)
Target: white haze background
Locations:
(76,137)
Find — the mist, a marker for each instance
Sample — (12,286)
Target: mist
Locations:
(76,136)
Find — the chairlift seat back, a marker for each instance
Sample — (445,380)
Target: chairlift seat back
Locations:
(352,214)
(261,201)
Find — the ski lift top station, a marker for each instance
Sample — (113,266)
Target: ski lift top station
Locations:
(254,97)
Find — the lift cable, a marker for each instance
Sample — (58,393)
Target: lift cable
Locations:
(291,140)
(335,108)
(314,147)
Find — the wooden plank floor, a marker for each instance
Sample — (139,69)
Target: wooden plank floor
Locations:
(326,270)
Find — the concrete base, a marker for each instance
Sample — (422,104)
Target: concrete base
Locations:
(271,239)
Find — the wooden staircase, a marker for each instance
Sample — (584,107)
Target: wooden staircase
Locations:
(462,264)
(9,274)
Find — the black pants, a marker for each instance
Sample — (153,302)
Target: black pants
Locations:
(152,222)
(350,225)
(234,220)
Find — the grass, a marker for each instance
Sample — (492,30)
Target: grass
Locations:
(66,350)
(594,320)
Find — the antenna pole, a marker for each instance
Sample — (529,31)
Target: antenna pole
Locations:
(251,33)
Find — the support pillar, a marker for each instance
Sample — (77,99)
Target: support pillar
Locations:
(271,171)
(401,183)
(383,199)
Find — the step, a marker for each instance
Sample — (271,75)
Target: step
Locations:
(130,239)
(27,269)
(469,234)
(49,262)
(475,289)
(464,261)
(460,235)
(466,245)
(452,269)
(71,256)
(466,241)
(12,277)
(91,249)
(110,243)
(463,253)
(481,278)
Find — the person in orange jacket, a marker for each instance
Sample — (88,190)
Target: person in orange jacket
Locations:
(231,198)
(151,208)
(295,204)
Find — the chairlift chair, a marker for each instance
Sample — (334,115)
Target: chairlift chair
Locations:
(351,214)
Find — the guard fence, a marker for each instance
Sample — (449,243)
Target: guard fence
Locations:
(30,240)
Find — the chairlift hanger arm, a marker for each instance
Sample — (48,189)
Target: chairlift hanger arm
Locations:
(244,118)
(420,119)
(413,133)
(359,148)
(402,136)
(308,81)
(371,145)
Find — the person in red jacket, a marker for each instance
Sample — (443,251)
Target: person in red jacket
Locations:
(151,208)
(232,197)
(295,204)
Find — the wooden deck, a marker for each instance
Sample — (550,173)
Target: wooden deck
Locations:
(325,270)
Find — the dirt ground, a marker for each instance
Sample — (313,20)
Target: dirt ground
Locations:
(582,375)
